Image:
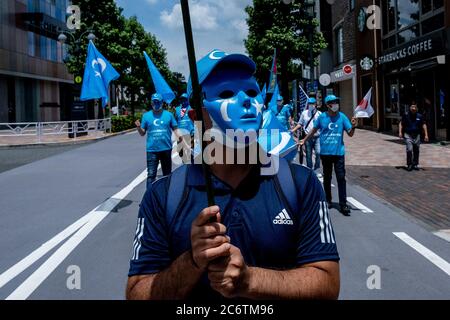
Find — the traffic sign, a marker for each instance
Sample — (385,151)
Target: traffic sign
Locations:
(348,69)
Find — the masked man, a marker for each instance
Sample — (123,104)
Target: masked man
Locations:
(332,125)
(260,241)
(185,123)
(158,124)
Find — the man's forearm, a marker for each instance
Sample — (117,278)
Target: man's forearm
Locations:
(174,283)
(141,131)
(301,283)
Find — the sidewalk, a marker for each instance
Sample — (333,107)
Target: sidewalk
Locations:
(368,148)
(376,162)
(57,139)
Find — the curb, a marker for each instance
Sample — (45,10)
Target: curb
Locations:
(67,143)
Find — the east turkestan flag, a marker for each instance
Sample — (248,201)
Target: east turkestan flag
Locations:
(364,108)
(161,85)
(98,73)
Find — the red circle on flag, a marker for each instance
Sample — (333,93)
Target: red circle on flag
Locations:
(348,69)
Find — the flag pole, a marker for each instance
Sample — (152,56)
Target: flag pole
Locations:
(197,95)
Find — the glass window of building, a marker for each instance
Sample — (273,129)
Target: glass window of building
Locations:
(31,44)
(388,16)
(408,13)
(427,6)
(438,4)
(408,34)
(434,23)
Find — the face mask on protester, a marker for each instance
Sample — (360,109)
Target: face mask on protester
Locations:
(334,107)
(157,105)
(311,107)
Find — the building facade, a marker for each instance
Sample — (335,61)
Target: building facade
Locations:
(414,63)
(34,81)
(400,49)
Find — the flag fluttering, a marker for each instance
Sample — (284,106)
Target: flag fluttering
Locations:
(273,74)
(364,108)
(303,98)
(98,73)
(161,85)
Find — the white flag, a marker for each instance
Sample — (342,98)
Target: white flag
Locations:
(364,108)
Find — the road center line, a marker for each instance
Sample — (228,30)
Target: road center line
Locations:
(359,205)
(84,226)
(424,251)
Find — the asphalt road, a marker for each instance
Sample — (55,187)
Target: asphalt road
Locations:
(74,213)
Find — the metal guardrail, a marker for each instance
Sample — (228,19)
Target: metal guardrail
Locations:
(72,129)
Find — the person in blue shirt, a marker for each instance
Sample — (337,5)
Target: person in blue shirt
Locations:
(253,243)
(185,126)
(283,113)
(158,124)
(332,125)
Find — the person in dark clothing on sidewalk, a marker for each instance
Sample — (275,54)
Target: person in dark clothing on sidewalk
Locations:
(332,125)
(410,129)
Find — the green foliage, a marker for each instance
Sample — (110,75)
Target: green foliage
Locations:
(122,41)
(274,24)
(122,123)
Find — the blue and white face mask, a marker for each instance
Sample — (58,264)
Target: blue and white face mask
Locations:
(233,101)
(157,105)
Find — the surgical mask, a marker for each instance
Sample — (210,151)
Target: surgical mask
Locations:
(157,105)
(233,101)
(184,103)
(311,107)
(334,107)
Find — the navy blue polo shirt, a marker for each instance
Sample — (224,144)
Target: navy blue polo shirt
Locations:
(412,123)
(257,218)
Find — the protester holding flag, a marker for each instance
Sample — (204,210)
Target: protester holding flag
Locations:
(306,124)
(158,124)
(332,125)
(263,242)
(98,73)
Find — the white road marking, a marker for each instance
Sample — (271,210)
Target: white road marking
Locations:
(427,253)
(359,205)
(443,234)
(84,226)
(22,265)
(42,273)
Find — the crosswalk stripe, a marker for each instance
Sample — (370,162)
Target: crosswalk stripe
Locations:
(359,205)
(424,251)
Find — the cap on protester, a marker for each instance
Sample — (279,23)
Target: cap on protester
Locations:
(331,98)
(212,60)
(312,101)
(157,97)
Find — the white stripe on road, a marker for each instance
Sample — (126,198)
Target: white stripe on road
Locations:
(84,226)
(22,265)
(443,234)
(359,205)
(42,273)
(427,253)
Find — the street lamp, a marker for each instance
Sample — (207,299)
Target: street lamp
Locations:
(62,38)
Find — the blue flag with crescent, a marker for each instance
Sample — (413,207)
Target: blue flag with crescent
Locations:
(264,92)
(273,101)
(275,139)
(98,73)
(161,85)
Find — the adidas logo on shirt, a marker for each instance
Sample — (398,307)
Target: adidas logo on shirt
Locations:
(283,218)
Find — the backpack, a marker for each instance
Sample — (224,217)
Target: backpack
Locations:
(177,189)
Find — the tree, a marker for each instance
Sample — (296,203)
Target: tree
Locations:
(286,27)
(122,41)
